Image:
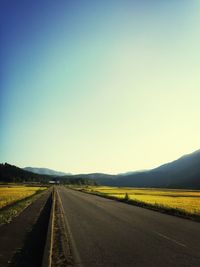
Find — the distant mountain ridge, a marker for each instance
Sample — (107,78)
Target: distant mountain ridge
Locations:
(12,174)
(45,171)
(181,173)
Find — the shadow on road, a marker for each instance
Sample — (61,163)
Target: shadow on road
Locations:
(32,252)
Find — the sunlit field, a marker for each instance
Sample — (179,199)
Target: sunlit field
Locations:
(186,200)
(11,194)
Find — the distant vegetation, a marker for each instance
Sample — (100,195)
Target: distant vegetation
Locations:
(77,181)
(13,174)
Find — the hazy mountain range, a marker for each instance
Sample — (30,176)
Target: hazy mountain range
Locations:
(45,171)
(181,173)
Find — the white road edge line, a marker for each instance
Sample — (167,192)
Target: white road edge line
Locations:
(52,229)
(74,249)
(170,239)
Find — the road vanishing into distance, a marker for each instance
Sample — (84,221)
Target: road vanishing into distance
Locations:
(110,233)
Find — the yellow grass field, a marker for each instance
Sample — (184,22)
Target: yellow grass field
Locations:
(186,200)
(12,193)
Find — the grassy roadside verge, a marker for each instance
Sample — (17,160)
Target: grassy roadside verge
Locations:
(156,207)
(7,213)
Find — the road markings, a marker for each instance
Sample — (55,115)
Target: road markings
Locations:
(67,230)
(52,228)
(170,239)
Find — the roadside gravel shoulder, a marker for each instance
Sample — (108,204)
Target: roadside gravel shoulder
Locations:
(62,254)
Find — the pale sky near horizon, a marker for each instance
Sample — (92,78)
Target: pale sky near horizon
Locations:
(99,86)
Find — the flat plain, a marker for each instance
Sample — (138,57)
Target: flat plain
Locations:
(15,198)
(11,193)
(185,200)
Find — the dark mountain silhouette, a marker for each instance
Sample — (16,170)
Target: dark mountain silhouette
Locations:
(45,171)
(11,173)
(181,173)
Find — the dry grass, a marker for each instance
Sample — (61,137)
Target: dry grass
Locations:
(11,194)
(14,199)
(185,200)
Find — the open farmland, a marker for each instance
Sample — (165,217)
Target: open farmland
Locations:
(185,200)
(11,194)
(14,199)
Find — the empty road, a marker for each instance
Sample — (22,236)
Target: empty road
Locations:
(109,233)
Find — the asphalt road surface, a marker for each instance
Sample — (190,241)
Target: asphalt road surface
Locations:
(109,233)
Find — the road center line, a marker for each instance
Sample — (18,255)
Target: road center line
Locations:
(171,239)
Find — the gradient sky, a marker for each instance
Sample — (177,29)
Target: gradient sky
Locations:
(99,86)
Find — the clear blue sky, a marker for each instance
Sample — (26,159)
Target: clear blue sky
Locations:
(99,86)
